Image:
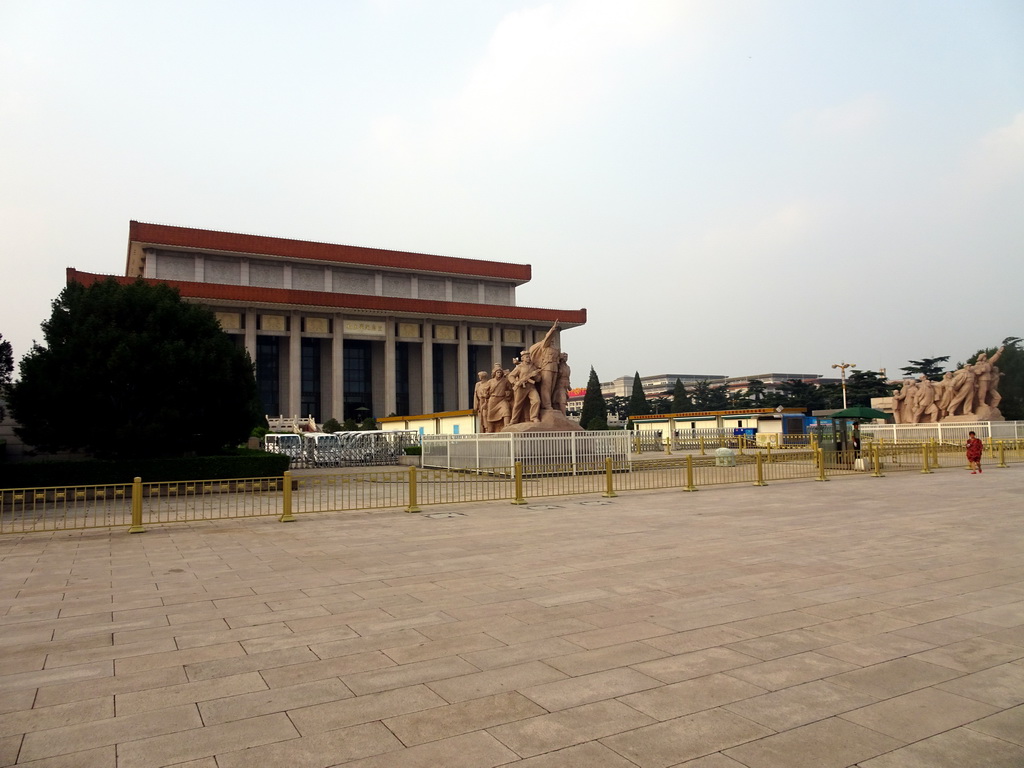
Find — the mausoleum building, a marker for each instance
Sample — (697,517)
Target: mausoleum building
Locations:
(343,331)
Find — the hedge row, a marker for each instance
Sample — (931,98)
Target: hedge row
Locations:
(44,474)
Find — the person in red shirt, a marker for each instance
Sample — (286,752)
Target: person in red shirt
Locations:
(974,449)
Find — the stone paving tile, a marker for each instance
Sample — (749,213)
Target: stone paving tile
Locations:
(13,701)
(919,714)
(404,675)
(188,693)
(263,701)
(831,743)
(1001,686)
(461,645)
(364,709)
(1007,725)
(326,643)
(790,670)
(586,689)
(471,750)
(57,676)
(874,650)
(609,657)
(98,733)
(593,754)
(673,669)
(959,748)
(318,751)
(9,748)
(101,757)
(194,743)
(43,718)
(236,665)
(775,646)
(293,674)
(549,650)
(178,658)
(678,699)
(684,738)
(799,704)
(892,678)
(477,684)
(547,733)
(972,655)
(464,717)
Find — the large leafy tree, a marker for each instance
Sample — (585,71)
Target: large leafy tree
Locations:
(594,413)
(1011,382)
(932,367)
(6,370)
(618,405)
(861,386)
(708,398)
(801,394)
(132,370)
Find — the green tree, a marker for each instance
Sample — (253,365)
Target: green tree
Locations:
(681,402)
(638,405)
(332,425)
(6,371)
(132,370)
(756,391)
(930,366)
(594,411)
(618,405)
(709,398)
(1011,383)
(861,386)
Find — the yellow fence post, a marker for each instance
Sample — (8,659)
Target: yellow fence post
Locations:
(1002,455)
(519,484)
(668,446)
(286,512)
(876,460)
(689,474)
(925,470)
(760,471)
(412,491)
(768,452)
(137,507)
(820,454)
(701,438)
(609,485)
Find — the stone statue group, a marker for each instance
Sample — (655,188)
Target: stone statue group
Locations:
(537,385)
(967,394)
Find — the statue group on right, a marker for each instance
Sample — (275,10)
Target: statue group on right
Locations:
(967,394)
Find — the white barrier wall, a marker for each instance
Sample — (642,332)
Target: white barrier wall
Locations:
(504,449)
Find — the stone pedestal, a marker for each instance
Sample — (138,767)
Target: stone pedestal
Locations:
(550,421)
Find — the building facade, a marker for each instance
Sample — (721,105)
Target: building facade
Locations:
(344,331)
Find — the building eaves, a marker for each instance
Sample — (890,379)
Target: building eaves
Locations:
(347,302)
(184,238)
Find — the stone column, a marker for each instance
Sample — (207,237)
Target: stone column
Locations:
(464,401)
(428,367)
(250,334)
(390,385)
(338,368)
(294,365)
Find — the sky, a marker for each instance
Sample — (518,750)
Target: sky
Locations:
(729,188)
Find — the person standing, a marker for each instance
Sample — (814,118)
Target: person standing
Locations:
(974,449)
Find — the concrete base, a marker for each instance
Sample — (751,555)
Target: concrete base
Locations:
(550,421)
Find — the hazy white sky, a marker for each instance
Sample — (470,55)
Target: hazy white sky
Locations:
(729,186)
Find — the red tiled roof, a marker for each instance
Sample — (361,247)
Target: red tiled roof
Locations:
(205,239)
(214,292)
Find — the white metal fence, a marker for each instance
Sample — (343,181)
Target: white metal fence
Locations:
(342,449)
(944,432)
(533,449)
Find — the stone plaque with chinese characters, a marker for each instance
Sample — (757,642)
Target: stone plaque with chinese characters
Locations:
(513,336)
(317,325)
(229,321)
(409,330)
(273,323)
(365,327)
(444,332)
(479,334)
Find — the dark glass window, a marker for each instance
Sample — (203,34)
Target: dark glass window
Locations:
(358,381)
(268,374)
(310,398)
(402,378)
(438,378)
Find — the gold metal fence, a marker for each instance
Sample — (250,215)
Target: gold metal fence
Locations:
(138,504)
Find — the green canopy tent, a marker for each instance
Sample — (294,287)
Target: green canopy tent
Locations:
(859,412)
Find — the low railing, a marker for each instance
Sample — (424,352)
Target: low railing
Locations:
(140,504)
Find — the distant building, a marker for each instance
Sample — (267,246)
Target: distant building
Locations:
(654,386)
(343,331)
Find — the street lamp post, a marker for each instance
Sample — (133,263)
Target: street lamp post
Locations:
(842,377)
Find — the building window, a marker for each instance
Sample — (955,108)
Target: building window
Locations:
(402,378)
(438,352)
(358,382)
(268,374)
(311,378)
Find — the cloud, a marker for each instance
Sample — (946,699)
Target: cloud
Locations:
(996,160)
(846,121)
(543,67)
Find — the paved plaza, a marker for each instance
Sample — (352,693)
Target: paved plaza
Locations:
(871,622)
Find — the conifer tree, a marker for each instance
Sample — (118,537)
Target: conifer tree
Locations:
(594,414)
